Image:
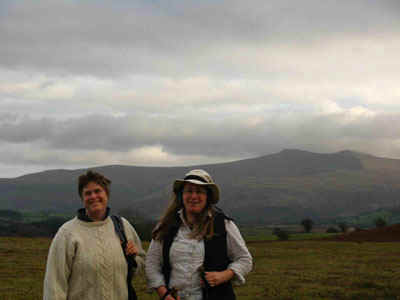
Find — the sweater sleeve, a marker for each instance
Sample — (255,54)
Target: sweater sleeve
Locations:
(131,234)
(58,267)
(242,262)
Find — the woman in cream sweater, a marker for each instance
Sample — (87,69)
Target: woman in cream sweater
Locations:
(86,260)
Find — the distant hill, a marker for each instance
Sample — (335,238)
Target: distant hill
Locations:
(282,187)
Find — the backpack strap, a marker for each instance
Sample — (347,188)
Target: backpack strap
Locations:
(130,259)
(167,242)
(119,229)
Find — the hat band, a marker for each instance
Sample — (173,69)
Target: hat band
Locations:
(195,178)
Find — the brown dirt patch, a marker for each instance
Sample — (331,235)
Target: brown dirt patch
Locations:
(384,234)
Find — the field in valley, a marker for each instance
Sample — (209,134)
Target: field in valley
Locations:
(298,269)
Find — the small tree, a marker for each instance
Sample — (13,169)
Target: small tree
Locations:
(307,224)
(282,235)
(11,215)
(343,226)
(380,222)
(332,230)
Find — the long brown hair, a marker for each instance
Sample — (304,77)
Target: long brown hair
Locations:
(203,227)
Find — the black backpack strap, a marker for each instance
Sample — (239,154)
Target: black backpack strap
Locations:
(130,259)
(167,242)
(119,229)
(220,211)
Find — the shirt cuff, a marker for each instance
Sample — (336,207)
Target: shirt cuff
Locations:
(155,284)
(238,278)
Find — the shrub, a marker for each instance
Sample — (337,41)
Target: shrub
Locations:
(282,235)
(307,224)
(343,226)
(332,230)
(380,222)
(10,215)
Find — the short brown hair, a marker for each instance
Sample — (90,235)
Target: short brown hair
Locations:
(92,176)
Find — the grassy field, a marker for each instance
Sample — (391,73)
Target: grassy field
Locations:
(296,232)
(298,269)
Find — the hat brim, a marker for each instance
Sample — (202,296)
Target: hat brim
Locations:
(178,185)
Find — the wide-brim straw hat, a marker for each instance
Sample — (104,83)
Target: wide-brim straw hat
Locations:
(199,177)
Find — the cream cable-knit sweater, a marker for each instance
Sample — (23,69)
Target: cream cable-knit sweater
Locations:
(86,262)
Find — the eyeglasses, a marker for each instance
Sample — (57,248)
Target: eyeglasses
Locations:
(198,192)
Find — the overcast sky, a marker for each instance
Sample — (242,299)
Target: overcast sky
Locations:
(168,83)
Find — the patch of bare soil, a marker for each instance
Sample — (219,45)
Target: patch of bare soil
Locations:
(383,234)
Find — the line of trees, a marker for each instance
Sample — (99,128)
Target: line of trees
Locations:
(342,226)
(12,223)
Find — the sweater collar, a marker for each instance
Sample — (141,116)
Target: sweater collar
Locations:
(81,214)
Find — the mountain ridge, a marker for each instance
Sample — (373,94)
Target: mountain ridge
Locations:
(283,186)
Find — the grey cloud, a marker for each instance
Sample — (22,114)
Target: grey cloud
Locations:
(101,132)
(106,39)
(8,117)
(182,136)
(35,155)
(211,79)
(26,131)
(383,126)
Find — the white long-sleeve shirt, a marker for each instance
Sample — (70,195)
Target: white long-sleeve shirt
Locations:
(187,255)
(86,261)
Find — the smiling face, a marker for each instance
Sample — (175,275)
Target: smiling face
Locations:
(95,200)
(194,198)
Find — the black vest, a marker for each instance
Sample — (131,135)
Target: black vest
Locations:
(215,258)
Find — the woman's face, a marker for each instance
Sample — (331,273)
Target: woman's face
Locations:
(95,200)
(194,198)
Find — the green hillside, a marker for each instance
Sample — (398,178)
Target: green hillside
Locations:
(282,187)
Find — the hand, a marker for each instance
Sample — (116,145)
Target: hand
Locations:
(162,290)
(131,249)
(216,278)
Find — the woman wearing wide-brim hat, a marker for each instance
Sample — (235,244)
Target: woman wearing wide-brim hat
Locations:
(196,249)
